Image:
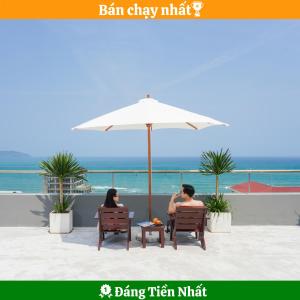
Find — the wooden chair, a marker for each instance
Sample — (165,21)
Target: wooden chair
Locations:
(189,219)
(114,220)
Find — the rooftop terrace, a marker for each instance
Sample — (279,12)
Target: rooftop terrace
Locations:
(248,252)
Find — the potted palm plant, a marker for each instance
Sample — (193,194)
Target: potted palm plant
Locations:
(217,163)
(62,166)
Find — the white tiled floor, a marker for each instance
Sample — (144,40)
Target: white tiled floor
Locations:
(248,252)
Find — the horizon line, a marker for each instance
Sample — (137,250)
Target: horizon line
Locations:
(164,156)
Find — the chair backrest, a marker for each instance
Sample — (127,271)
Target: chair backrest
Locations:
(190,218)
(111,219)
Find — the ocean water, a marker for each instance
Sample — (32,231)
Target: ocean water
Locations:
(162,183)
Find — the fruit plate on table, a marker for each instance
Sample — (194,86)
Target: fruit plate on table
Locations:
(157,222)
(145,224)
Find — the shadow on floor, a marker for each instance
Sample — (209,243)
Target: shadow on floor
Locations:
(89,237)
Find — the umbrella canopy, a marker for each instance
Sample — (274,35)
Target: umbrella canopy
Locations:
(149,114)
(149,111)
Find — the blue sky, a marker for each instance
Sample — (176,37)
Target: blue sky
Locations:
(57,74)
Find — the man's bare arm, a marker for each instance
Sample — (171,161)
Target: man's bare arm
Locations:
(172,204)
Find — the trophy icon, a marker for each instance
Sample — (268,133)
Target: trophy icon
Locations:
(197,6)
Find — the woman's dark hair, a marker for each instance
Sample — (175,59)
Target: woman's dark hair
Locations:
(188,189)
(109,201)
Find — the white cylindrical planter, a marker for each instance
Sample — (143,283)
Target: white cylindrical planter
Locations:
(61,222)
(219,222)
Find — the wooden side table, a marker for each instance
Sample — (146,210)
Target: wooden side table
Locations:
(159,228)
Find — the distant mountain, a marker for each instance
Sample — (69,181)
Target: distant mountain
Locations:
(13,155)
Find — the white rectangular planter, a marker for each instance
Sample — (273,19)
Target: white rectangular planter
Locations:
(61,223)
(219,222)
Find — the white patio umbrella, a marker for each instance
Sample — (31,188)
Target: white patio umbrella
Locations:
(149,114)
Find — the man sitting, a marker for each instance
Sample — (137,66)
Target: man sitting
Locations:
(187,193)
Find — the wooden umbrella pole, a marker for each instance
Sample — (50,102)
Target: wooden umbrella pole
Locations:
(149,172)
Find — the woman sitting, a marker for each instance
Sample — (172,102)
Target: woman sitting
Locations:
(112,199)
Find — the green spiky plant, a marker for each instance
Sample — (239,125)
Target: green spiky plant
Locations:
(62,165)
(217,205)
(216,163)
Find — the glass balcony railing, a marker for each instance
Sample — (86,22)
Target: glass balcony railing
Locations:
(163,181)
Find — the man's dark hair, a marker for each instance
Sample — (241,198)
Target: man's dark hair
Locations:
(188,189)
